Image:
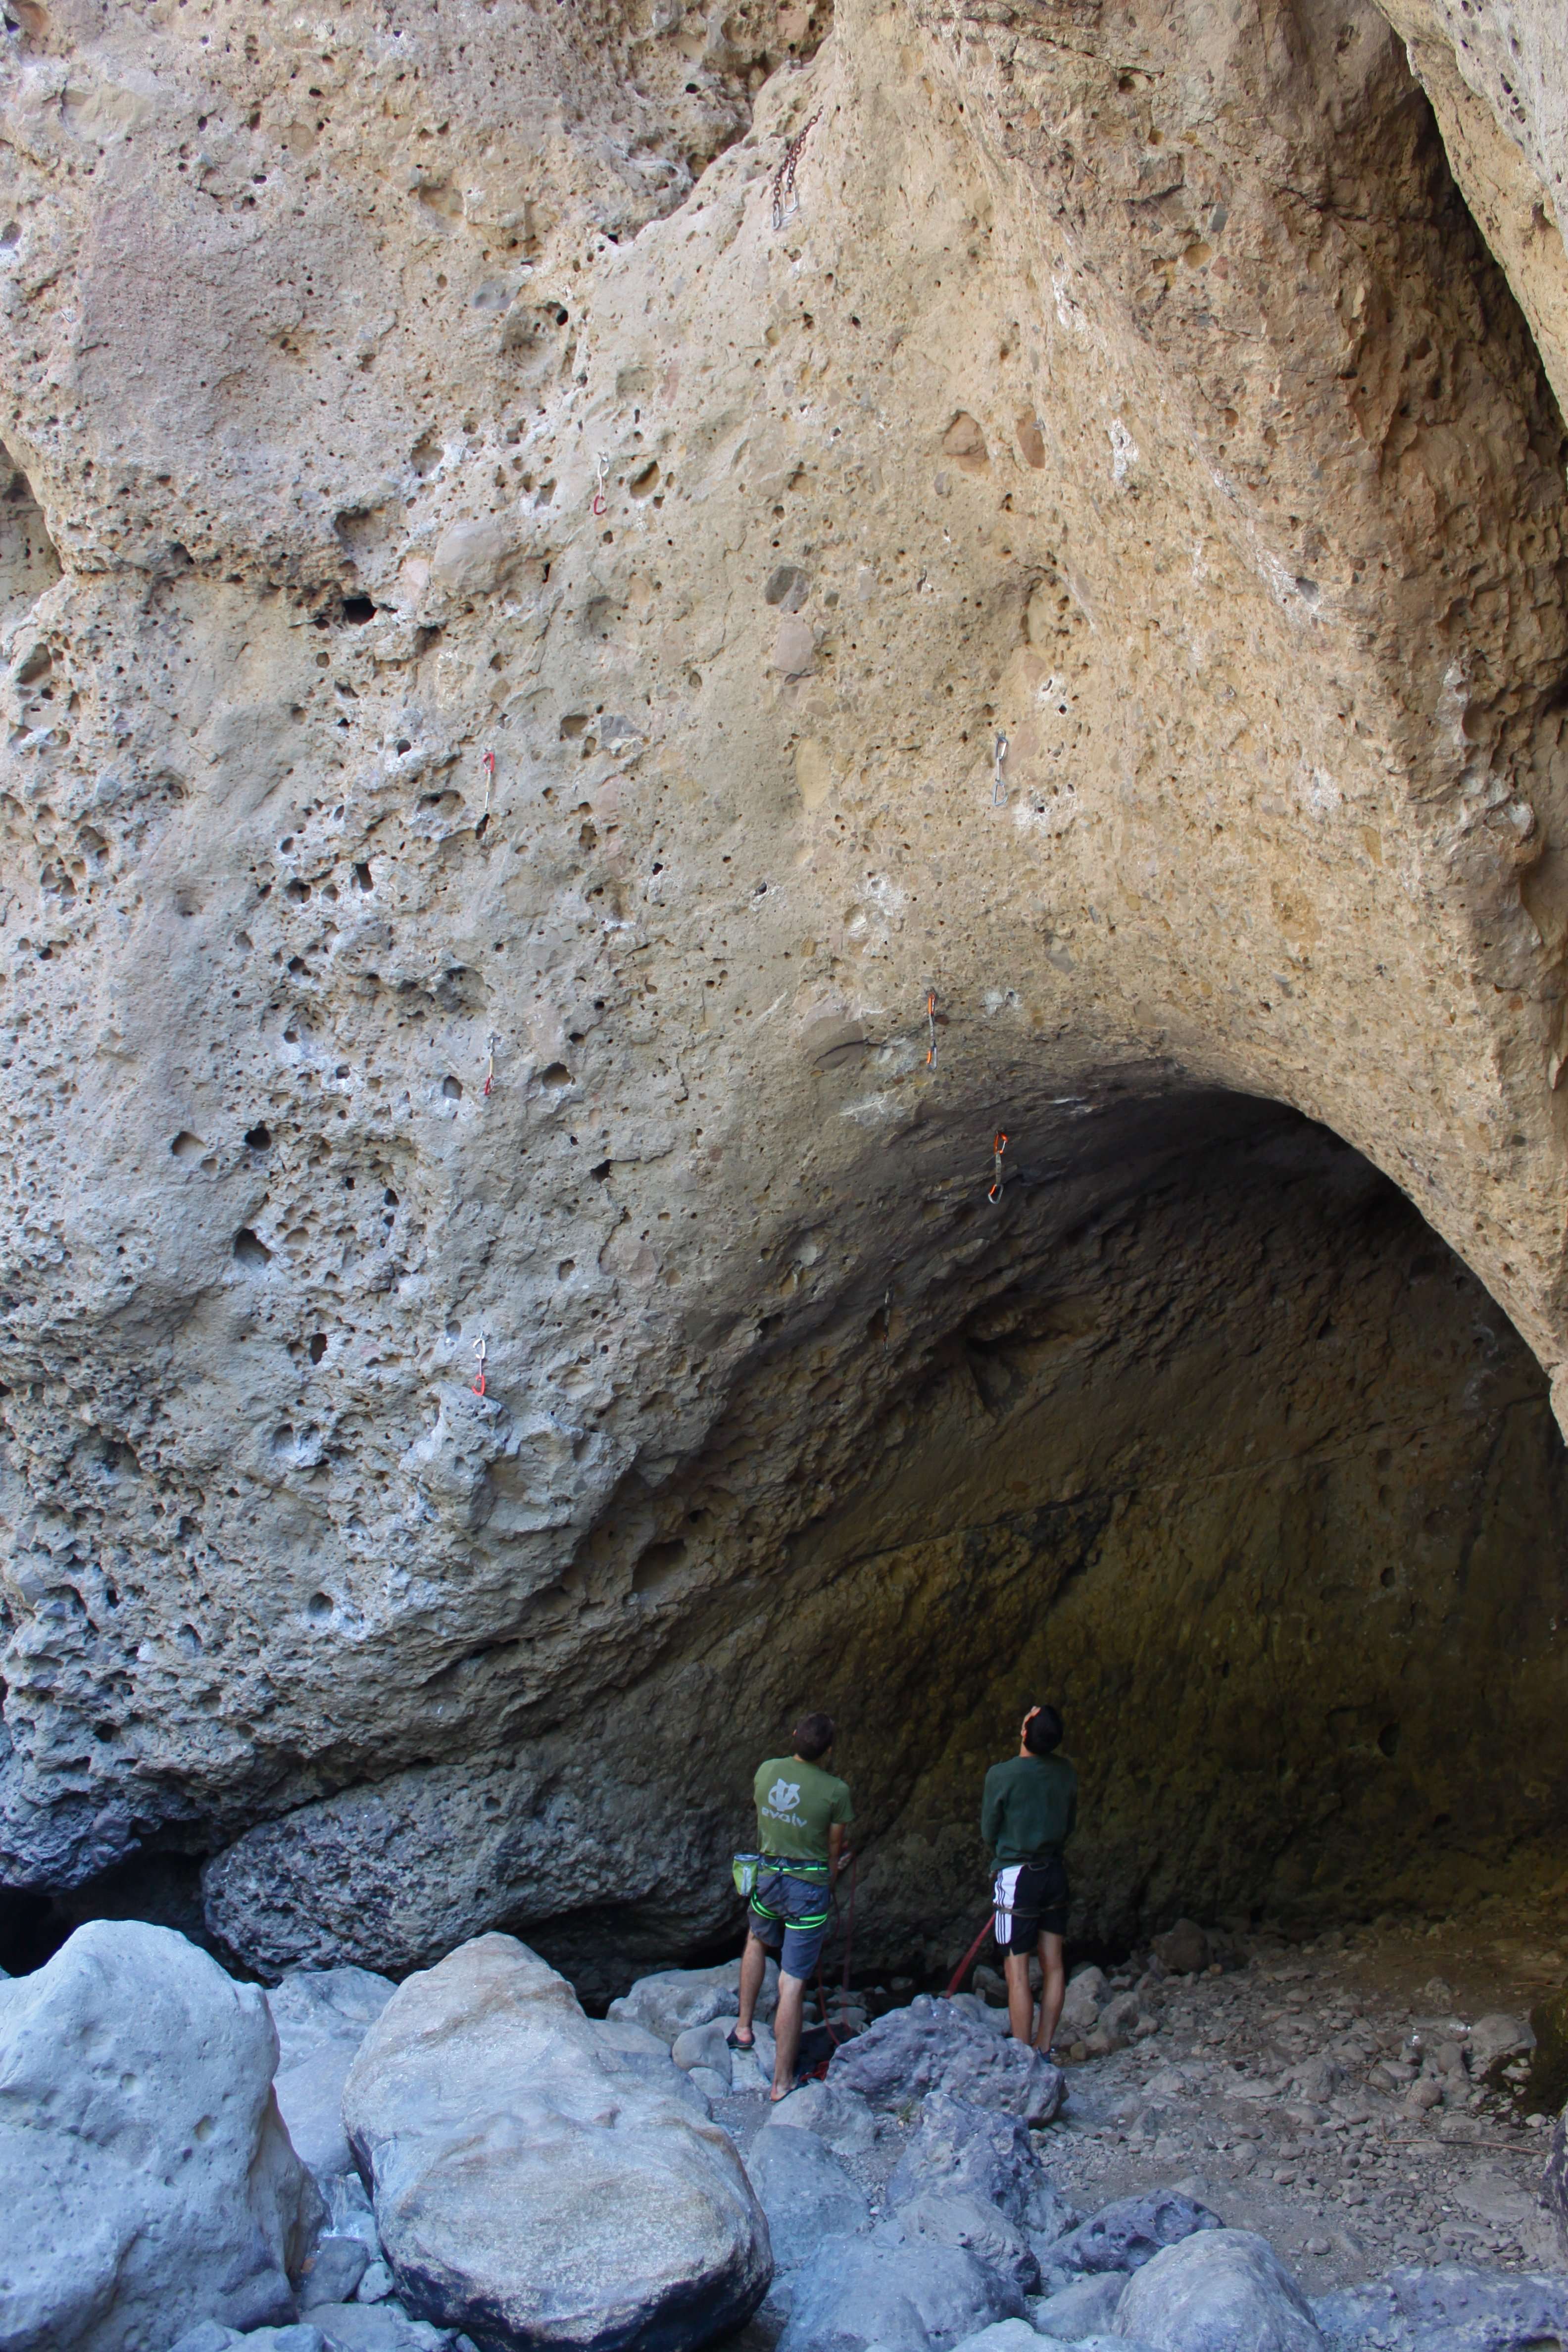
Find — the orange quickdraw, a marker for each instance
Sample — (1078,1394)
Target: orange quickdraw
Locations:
(998,1147)
(480,1352)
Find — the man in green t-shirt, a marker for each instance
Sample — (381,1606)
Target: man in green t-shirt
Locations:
(1027,1816)
(802,1814)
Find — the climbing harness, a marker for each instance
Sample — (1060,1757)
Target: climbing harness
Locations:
(786,202)
(930,1024)
(490,1067)
(998,788)
(481,1351)
(998,1145)
(602,467)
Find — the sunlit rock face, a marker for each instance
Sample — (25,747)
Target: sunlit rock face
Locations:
(527,526)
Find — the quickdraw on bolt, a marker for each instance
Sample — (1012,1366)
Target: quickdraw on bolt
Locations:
(930,1024)
(784,199)
(488,764)
(998,788)
(481,1351)
(998,1145)
(602,467)
(490,1067)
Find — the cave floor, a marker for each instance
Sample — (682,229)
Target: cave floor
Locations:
(1346,2186)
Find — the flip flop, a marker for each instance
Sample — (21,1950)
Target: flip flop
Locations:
(733,2042)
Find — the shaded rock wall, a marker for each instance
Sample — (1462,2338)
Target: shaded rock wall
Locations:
(480,387)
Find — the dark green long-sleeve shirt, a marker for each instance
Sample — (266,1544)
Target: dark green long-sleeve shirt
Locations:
(1029,1807)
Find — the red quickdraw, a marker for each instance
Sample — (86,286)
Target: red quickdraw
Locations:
(481,1351)
(602,467)
(998,1147)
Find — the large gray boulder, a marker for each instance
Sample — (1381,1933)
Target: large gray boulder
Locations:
(1125,2235)
(1554,2179)
(677,1999)
(535,2185)
(1219,2291)
(954,2219)
(321,2015)
(975,2152)
(907,2298)
(1453,2307)
(146,2180)
(806,2193)
(936,2044)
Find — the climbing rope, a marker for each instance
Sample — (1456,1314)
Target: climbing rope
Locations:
(819,2072)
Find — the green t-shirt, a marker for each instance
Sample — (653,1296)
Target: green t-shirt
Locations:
(1029,1807)
(797,1805)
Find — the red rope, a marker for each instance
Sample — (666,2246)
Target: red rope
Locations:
(963,1967)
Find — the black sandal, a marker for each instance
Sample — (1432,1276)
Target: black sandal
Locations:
(732,2041)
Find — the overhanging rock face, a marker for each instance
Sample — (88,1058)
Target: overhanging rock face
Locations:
(505,848)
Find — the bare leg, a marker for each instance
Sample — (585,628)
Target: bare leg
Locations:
(1020,2000)
(786,2032)
(753,1968)
(1053,1989)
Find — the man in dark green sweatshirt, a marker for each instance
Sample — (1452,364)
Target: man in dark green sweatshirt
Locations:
(1027,1816)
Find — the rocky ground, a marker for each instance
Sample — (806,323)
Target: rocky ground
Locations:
(1361,2102)
(1322,2148)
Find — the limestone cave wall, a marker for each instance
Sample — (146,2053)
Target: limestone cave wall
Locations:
(526,528)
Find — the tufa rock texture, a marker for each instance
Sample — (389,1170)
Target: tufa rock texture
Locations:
(525,528)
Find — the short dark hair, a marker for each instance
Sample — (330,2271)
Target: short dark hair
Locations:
(814,1736)
(1043,1731)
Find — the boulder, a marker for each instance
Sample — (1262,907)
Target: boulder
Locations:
(953,2219)
(1498,2036)
(1003,2335)
(907,2298)
(376,2328)
(806,2193)
(1451,2308)
(535,2183)
(1554,2179)
(1183,1949)
(146,2178)
(1088,1992)
(936,2044)
(678,1998)
(704,2045)
(975,2152)
(840,2118)
(1088,2307)
(1216,2291)
(333,2271)
(1126,2234)
(322,2016)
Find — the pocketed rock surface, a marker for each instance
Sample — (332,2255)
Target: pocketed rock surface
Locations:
(526,526)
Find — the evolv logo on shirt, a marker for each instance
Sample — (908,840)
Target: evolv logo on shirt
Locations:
(785,1795)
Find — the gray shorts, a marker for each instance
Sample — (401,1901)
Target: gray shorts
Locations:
(789,1916)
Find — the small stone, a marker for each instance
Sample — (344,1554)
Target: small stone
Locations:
(334,2270)
(375,2285)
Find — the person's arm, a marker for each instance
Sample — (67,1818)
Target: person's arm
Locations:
(990,1811)
(836,1857)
